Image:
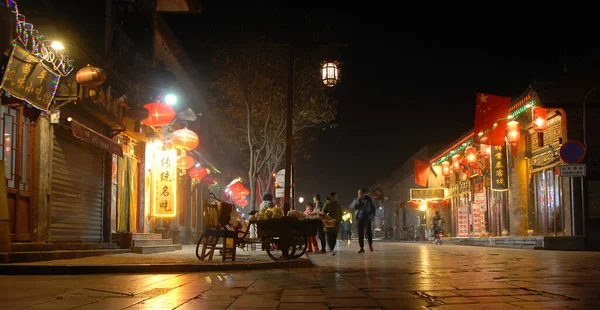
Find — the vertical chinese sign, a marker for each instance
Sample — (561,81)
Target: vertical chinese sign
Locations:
(28,79)
(165,183)
(499,169)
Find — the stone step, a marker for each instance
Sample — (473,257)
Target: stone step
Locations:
(44,247)
(29,257)
(157,248)
(148,242)
(145,236)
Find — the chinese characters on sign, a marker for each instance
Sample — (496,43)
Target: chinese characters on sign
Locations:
(101,101)
(427,193)
(499,168)
(165,183)
(26,78)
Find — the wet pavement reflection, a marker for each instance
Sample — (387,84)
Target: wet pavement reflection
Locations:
(394,276)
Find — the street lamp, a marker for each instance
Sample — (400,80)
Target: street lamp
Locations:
(57,46)
(330,73)
(301,199)
(170,99)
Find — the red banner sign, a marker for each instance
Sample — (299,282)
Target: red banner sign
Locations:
(87,135)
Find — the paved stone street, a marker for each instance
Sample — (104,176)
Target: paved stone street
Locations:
(395,276)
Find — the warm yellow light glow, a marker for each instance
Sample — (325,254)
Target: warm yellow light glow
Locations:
(56,45)
(301,199)
(165,183)
(423,206)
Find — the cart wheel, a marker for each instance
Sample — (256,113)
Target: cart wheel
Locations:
(276,253)
(299,245)
(198,246)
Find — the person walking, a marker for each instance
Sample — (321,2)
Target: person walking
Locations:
(312,240)
(334,210)
(320,230)
(365,213)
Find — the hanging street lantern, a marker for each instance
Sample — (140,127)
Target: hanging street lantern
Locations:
(137,114)
(185,139)
(513,130)
(330,73)
(236,187)
(90,76)
(456,163)
(185,162)
(446,168)
(471,154)
(161,114)
(199,173)
(540,123)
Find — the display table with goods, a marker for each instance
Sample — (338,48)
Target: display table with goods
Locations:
(282,237)
(285,237)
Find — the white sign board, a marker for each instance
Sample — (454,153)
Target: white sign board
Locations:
(571,171)
(280,178)
(279,192)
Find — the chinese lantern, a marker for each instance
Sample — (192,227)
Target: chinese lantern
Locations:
(198,173)
(161,114)
(540,119)
(456,163)
(185,139)
(446,168)
(471,154)
(236,187)
(90,76)
(138,114)
(185,162)
(540,123)
(244,192)
(330,73)
(513,130)
(486,150)
(244,203)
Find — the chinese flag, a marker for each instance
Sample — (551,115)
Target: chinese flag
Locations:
(421,172)
(490,119)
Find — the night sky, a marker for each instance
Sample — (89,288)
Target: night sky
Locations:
(407,81)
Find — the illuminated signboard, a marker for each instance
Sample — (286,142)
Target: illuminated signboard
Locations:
(165,183)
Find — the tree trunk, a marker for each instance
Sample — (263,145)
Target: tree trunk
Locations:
(252,179)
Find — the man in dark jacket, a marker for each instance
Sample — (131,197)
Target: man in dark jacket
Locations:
(365,213)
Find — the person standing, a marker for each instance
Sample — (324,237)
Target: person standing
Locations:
(365,213)
(312,240)
(334,210)
(320,230)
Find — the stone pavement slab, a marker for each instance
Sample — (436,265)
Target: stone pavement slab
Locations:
(395,276)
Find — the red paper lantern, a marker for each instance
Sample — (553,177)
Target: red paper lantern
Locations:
(513,130)
(456,163)
(471,154)
(486,150)
(161,114)
(540,119)
(236,187)
(185,162)
(198,173)
(446,168)
(185,139)
(244,203)
(244,192)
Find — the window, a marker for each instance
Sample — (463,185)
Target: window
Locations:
(16,151)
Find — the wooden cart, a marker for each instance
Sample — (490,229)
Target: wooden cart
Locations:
(286,237)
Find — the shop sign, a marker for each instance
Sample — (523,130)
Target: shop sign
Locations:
(464,187)
(165,183)
(427,193)
(26,78)
(499,166)
(100,101)
(570,171)
(89,136)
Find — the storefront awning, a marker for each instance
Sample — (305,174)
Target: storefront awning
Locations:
(94,138)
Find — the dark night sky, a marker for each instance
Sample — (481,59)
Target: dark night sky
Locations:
(406,82)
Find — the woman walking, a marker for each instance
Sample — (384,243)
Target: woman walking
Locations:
(334,210)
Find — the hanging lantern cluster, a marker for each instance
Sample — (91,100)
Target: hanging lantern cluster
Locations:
(160,114)
(185,139)
(330,73)
(513,132)
(185,162)
(540,123)
(198,173)
(471,154)
(238,194)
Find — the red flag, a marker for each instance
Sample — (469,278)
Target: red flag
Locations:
(421,172)
(490,119)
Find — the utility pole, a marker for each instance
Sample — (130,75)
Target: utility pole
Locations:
(289,132)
